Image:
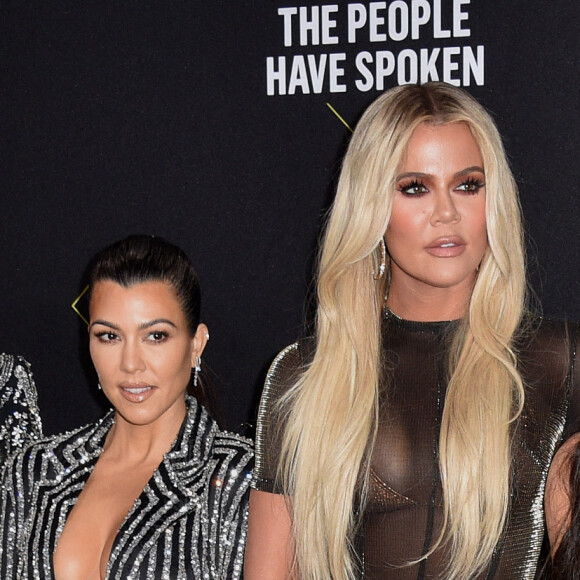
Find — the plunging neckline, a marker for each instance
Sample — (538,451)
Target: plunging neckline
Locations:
(98,439)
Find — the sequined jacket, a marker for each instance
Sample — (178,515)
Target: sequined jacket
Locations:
(189,522)
(19,416)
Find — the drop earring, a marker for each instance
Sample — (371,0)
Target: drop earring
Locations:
(383,264)
(196,370)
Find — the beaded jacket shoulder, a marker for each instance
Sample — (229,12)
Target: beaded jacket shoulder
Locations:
(20,420)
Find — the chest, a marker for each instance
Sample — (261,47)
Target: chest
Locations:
(411,406)
(85,544)
(404,463)
(147,542)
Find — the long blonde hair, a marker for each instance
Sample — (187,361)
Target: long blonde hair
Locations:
(332,410)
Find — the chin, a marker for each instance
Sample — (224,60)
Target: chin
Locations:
(139,418)
(452,280)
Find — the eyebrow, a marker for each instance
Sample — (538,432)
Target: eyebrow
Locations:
(103,323)
(151,323)
(470,170)
(142,326)
(461,173)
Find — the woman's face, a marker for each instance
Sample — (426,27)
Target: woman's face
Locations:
(437,234)
(142,350)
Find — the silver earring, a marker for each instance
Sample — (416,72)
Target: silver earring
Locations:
(383,264)
(99,386)
(196,370)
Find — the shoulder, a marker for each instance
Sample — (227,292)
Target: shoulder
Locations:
(235,450)
(202,447)
(17,381)
(548,342)
(20,420)
(287,360)
(48,446)
(233,459)
(89,437)
(229,474)
(286,368)
(545,328)
(52,456)
(284,373)
(546,349)
(28,464)
(201,441)
(13,366)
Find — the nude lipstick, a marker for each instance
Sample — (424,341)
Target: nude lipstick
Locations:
(447,247)
(136,392)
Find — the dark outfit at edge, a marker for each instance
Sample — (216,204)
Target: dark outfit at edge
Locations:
(403,515)
(189,522)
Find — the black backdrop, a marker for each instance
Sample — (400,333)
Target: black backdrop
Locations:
(138,117)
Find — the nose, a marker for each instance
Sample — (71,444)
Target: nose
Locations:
(444,209)
(131,357)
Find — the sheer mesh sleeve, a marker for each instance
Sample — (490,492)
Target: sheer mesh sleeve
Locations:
(282,374)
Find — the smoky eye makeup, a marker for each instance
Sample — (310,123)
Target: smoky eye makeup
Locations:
(471,185)
(412,187)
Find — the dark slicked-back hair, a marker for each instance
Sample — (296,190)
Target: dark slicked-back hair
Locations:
(138,259)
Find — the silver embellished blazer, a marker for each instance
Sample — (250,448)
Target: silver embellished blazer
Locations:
(19,416)
(190,520)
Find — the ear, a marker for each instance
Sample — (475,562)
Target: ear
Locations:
(199,341)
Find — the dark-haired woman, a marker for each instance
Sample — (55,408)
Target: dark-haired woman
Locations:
(562,504)
(155,489)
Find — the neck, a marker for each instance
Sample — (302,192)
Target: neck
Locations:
(427,303)
(133,443)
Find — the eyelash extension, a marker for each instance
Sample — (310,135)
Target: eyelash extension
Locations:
(474,182)
(414,183)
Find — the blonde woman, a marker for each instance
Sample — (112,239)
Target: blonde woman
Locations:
(411,437)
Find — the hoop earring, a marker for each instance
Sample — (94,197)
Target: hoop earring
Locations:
(196,370)
(383,265)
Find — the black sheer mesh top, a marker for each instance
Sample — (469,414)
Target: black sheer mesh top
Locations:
(404,514)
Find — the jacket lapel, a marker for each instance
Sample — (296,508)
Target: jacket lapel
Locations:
(177,489)
(65,471)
